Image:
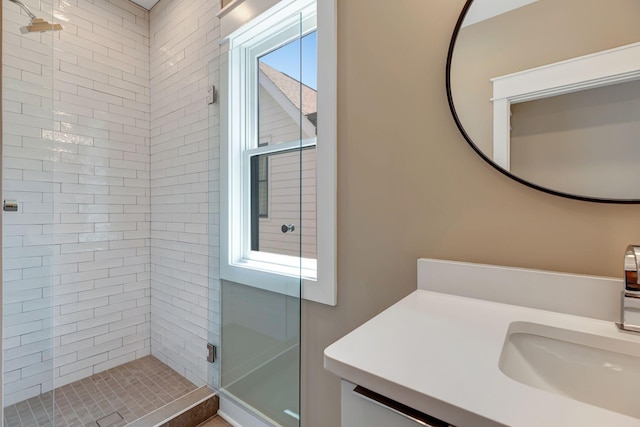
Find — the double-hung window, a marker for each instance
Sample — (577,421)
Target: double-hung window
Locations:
(278,151)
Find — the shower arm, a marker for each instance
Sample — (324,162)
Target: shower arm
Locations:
(25,8)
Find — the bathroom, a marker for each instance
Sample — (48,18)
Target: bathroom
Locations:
(436,198)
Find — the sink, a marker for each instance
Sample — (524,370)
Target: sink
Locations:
(597,370)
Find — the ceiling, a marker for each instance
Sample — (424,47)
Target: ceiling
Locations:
(147,4)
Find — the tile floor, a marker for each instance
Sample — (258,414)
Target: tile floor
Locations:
(132,390)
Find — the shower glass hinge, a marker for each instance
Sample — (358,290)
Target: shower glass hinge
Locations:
(211,353)
(212,96)
(10,206)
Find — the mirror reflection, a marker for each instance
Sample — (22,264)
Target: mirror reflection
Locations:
(549,90)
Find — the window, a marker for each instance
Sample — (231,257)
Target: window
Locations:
(260,185)
(278,151)
(259,195)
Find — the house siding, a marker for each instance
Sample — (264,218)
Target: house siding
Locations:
(291,201)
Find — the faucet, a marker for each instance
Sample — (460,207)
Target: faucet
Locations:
(630,315)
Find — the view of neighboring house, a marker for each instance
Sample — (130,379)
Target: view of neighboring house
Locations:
(287,112)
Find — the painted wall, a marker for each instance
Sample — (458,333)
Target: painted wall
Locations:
(184,39)
(564,152)
(81,178)
(434,196)
(582,143)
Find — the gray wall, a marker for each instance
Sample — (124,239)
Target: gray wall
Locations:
(401,161)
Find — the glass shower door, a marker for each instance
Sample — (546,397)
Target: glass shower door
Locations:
(259,320)
(29,153)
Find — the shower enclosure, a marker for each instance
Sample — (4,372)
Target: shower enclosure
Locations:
(268,113)
(113,302)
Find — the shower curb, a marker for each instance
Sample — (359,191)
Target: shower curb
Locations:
(189,410)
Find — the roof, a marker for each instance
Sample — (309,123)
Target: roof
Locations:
(291,88)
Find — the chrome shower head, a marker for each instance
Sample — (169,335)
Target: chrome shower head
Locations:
(37,24)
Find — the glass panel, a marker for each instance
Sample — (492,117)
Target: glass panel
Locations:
(260,351)
(279,183)
(213,327)
(262,179)
(260,327)
(287,90)
(287,110)
(77,262)
(29,155)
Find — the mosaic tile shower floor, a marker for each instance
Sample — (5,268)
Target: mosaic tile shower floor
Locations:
(132,390)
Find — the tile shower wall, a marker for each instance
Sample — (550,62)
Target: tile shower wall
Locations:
(184,39)
(96,148)
(27,100)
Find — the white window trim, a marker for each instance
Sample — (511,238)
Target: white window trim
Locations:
(282,274)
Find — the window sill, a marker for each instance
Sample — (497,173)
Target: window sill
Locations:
(282,279)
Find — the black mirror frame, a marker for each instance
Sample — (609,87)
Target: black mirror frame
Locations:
(505,172)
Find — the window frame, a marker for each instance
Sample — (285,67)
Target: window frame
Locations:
(278,273)
(258,180)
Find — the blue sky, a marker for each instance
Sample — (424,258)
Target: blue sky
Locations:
(287,60)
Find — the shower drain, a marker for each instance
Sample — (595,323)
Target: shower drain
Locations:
(109,420)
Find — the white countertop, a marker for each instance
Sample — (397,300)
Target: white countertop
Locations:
(439,354)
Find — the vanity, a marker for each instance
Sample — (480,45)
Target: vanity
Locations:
(480,345)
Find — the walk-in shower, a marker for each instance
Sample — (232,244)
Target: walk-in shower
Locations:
(113,302)
(78,266)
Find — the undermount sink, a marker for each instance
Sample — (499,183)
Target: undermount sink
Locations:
(597,370)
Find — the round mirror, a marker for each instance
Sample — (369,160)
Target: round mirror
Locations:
(548,92)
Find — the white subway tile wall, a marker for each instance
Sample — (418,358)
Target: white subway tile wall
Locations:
(76,157)
(184,40)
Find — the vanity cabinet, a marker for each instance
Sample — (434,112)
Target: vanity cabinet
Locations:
(363,408)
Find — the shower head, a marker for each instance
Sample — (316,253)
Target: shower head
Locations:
(37,24)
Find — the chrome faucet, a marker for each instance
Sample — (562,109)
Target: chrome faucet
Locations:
(630,315)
